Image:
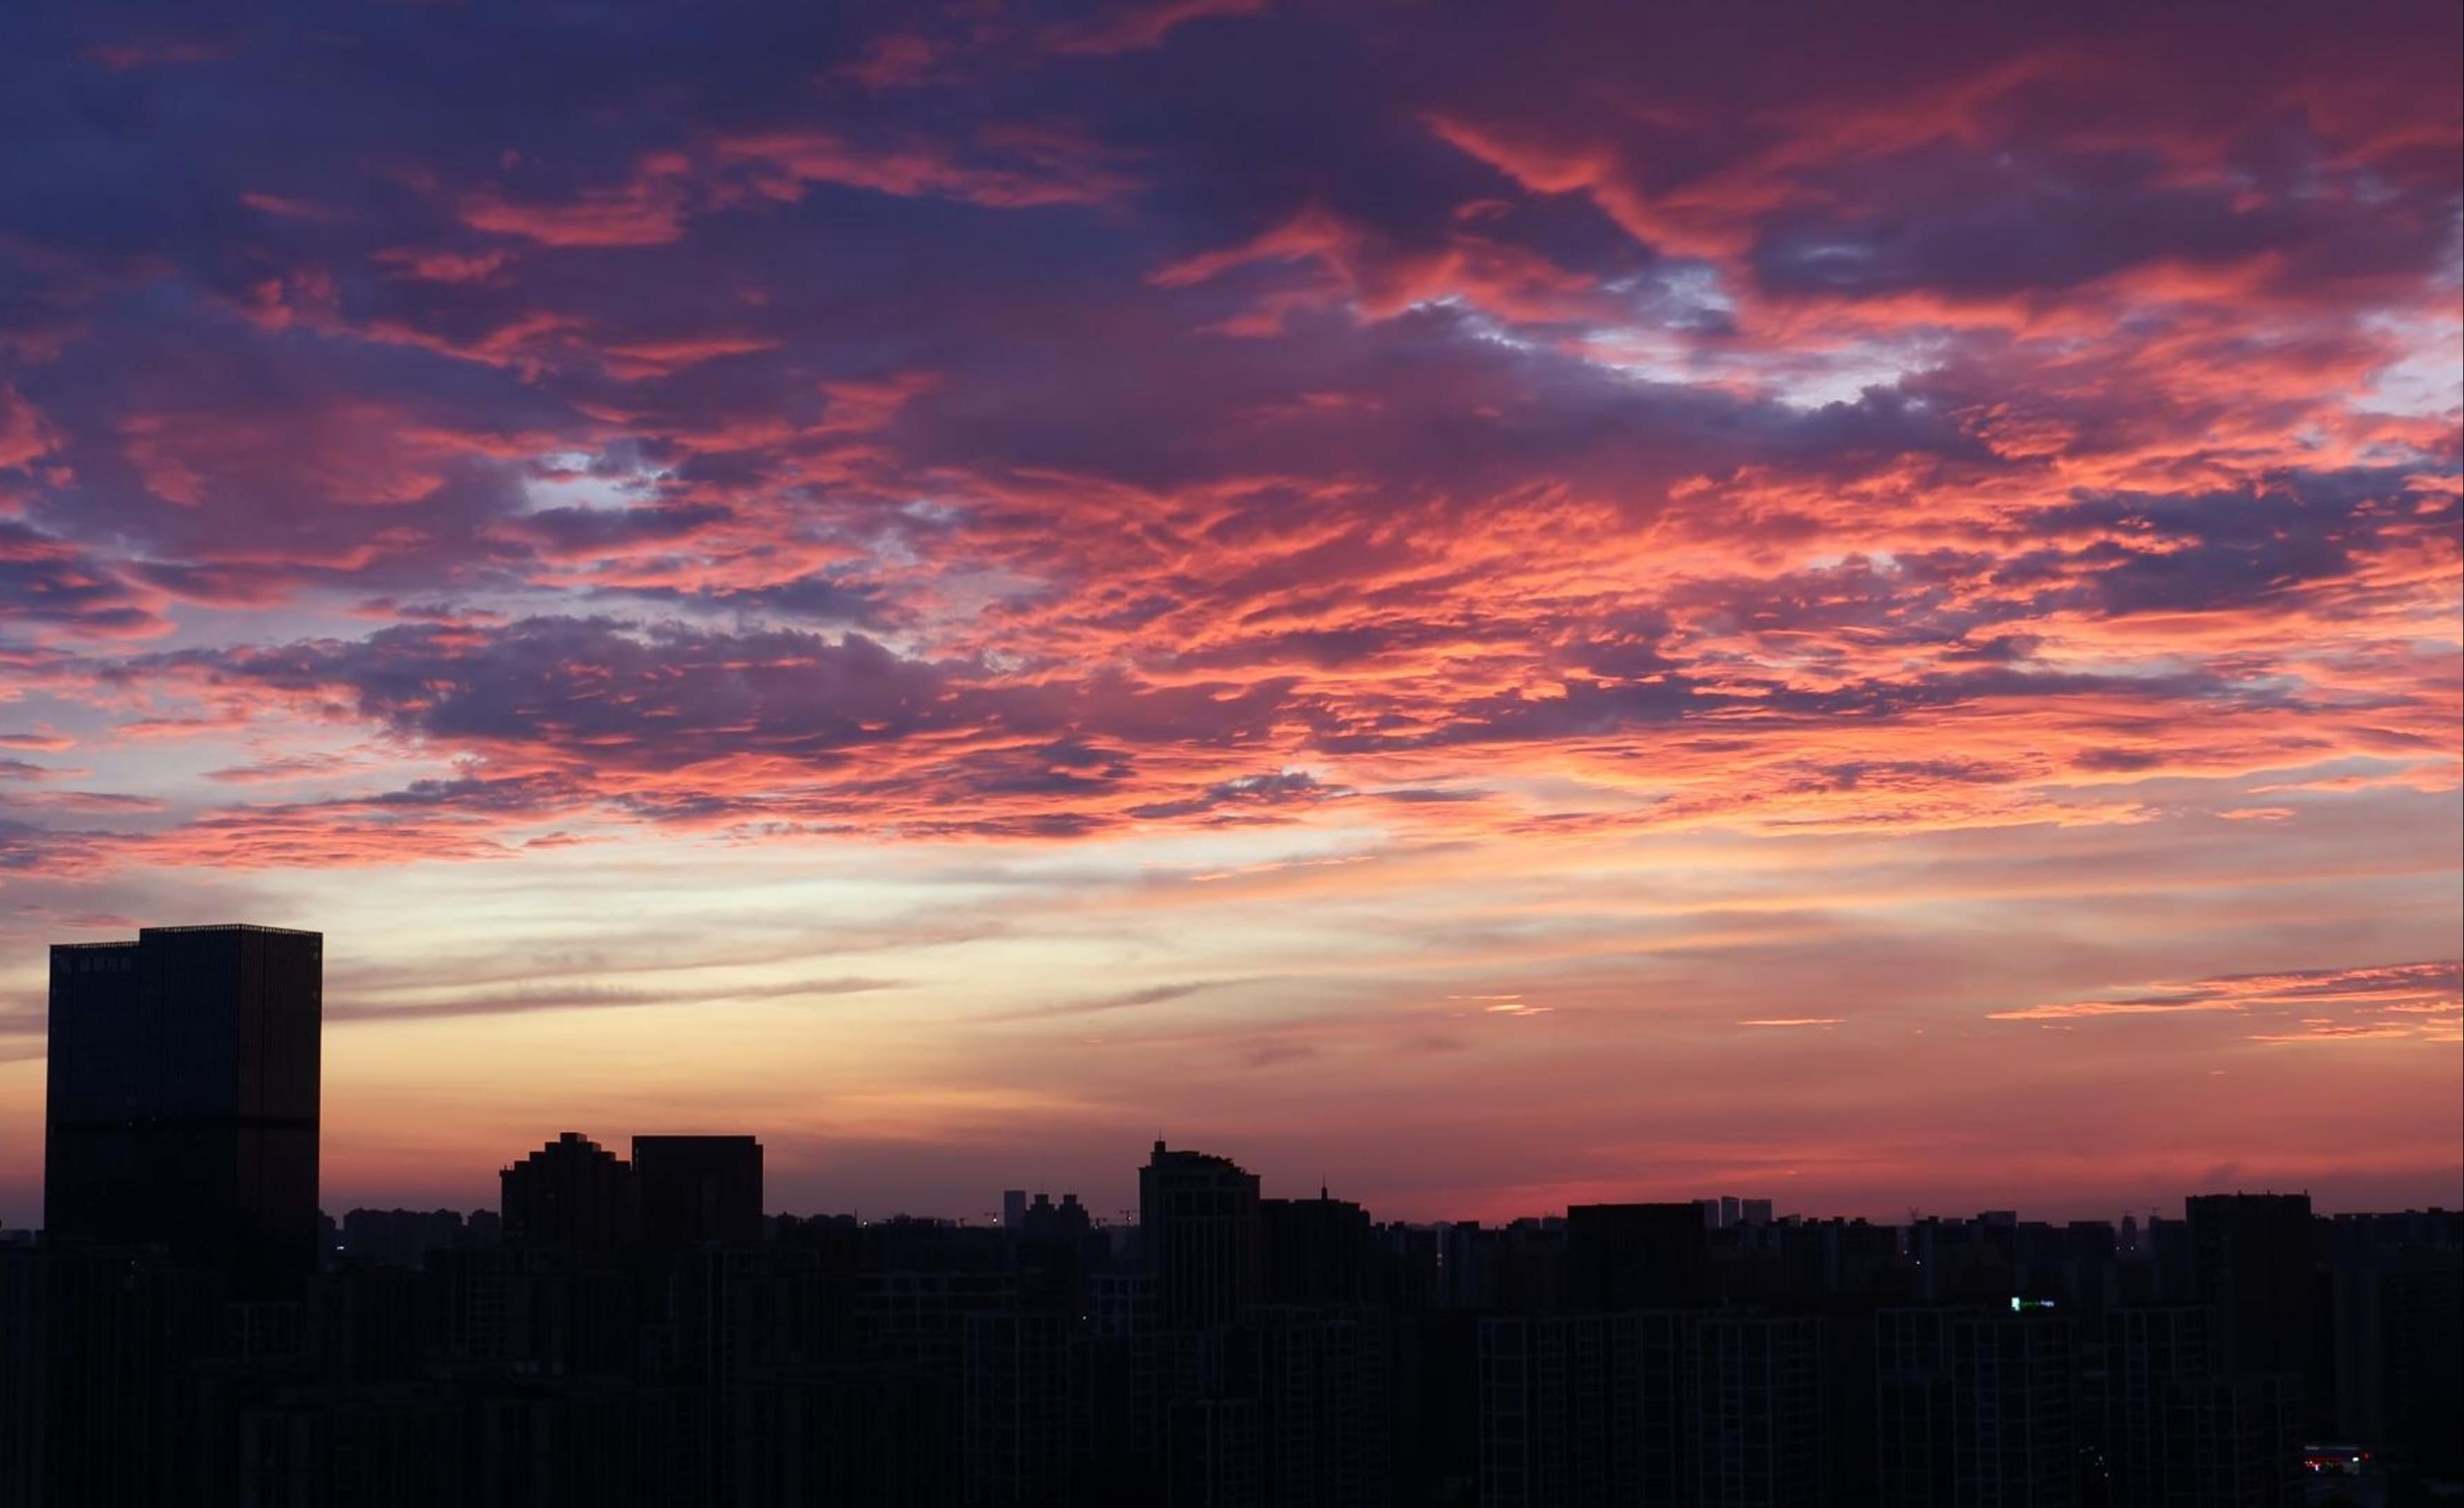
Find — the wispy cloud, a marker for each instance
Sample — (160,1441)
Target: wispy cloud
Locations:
(2376,1002)
(1125,1000)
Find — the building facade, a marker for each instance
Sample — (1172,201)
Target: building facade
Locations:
(183,1082)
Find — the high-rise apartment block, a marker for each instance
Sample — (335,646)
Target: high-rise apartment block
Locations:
(183,1099)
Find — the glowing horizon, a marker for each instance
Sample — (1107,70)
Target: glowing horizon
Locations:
(1863,612)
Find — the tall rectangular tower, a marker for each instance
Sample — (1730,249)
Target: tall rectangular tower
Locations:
(182,1110)
(2253,1260)
(698,1189)
(1198,1226)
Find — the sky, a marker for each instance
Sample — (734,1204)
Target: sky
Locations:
(1490,605)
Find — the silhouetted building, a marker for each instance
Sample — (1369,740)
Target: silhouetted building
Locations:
(1974,1407)
(2148,1353)
(1320,1376)
(1635,1256)
(2398,1304)
(2013,1409)
(95,1344)
(183,1099)
(1042,1220)
(698,1189)
(1212,1456)
(1912,1407)
(400,1237)
(572,1195)
(2252,1261)
(1014,1417)
(1198,1226)
(1317,1250)
(2180,1430)
(1754,1403)
(2235,1441)
(1583,1410)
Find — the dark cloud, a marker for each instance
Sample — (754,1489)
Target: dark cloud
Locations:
(2248,548)
(48,582)
(1250,792)
(808,600)
(1969,228)
(659,697)
(1019,422)
(591,531)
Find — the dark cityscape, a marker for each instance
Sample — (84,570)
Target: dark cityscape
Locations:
(633,1325)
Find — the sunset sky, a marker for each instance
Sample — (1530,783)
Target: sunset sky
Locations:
(1494,604)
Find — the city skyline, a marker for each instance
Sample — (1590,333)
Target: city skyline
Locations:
(1494,610)
(840,1179)
(182,1108)
(148,1013)
(187,1327)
